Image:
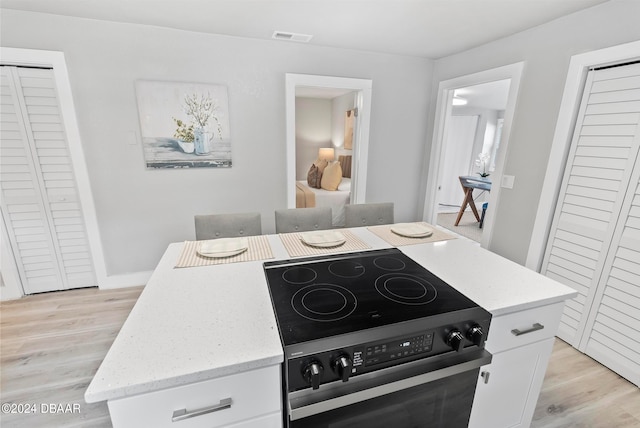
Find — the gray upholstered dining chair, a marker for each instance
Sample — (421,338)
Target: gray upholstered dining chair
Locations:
(303,219)
(368,214)
(212,226)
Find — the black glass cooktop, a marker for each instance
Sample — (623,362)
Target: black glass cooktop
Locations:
(319,297)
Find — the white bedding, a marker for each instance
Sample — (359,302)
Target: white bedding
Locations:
(335,199)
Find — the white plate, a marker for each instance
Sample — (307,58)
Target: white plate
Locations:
(323,238)
(223,247)
(412,230)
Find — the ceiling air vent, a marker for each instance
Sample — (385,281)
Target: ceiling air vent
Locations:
(291,37)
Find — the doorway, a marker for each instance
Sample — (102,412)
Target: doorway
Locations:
(471,145)
(460,88)
(295,83)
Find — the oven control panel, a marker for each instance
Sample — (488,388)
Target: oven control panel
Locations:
(340,365)
(379,353)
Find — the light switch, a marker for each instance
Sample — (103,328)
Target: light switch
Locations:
(507,181)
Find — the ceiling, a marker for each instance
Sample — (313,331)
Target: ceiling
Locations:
(424,28)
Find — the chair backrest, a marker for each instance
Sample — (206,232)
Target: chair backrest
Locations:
(214,226)
(303,219)
(368,214)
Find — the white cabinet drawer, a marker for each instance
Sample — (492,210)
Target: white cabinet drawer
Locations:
(521,328)
(248,395)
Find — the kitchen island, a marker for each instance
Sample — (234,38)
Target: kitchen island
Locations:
(196,331)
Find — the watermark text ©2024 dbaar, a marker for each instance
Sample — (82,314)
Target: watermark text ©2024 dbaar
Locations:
(33,408)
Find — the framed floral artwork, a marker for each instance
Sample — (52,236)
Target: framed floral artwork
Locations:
(348,129)
(184,125)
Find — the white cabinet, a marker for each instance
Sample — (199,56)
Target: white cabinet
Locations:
(512,377)
(245,400)
(508,388)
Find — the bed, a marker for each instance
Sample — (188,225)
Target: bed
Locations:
(309,197)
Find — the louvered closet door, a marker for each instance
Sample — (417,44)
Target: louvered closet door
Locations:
(612,333)
(40,202)
(603,153)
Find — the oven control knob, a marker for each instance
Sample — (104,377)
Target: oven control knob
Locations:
(475,335)
(312,373)
(342,367)
(454,340)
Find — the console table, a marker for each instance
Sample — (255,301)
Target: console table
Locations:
(469,183)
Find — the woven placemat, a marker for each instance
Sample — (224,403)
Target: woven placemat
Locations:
(384,232)
(259,249)
(296,248)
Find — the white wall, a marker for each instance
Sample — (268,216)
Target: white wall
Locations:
(486,119)
(313,131)
(140,211)
(546,51)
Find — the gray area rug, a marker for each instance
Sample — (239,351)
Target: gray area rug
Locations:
(468,226)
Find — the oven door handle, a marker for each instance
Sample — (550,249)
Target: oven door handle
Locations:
(304,405)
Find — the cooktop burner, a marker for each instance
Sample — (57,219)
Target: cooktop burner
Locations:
(319,297)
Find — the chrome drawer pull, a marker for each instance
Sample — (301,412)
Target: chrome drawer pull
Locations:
(535,327)
(180,415)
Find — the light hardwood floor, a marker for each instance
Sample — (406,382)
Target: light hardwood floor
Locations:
(52,345)
(579,392)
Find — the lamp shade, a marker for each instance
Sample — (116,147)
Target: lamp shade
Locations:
(326,153)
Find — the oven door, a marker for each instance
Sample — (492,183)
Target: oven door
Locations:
(423,395)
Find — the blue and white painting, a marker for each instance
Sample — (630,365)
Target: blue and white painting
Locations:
(184,125)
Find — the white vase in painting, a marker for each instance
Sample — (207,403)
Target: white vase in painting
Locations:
(187,147)
(201,140)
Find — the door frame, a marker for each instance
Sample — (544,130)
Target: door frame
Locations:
(446,89)
(570,104)
(56,60)
(361,138)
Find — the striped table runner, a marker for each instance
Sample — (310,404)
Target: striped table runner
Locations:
(259,249)
(384,232)
(296,248)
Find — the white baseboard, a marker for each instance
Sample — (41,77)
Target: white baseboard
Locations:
(8,292)
(126,280)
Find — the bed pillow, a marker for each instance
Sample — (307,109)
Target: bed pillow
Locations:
(345,185)
(321,164)
(331,176)
(314,176)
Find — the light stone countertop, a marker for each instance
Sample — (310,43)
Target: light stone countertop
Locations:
(195,324)
(497,284)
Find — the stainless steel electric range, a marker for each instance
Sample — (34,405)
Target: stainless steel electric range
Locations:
(373,339)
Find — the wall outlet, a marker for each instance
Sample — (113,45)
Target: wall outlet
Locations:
(507,181)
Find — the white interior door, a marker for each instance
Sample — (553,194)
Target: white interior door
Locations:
(40,203)
(457,158)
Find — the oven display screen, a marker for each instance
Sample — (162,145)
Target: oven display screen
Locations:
(405,347)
